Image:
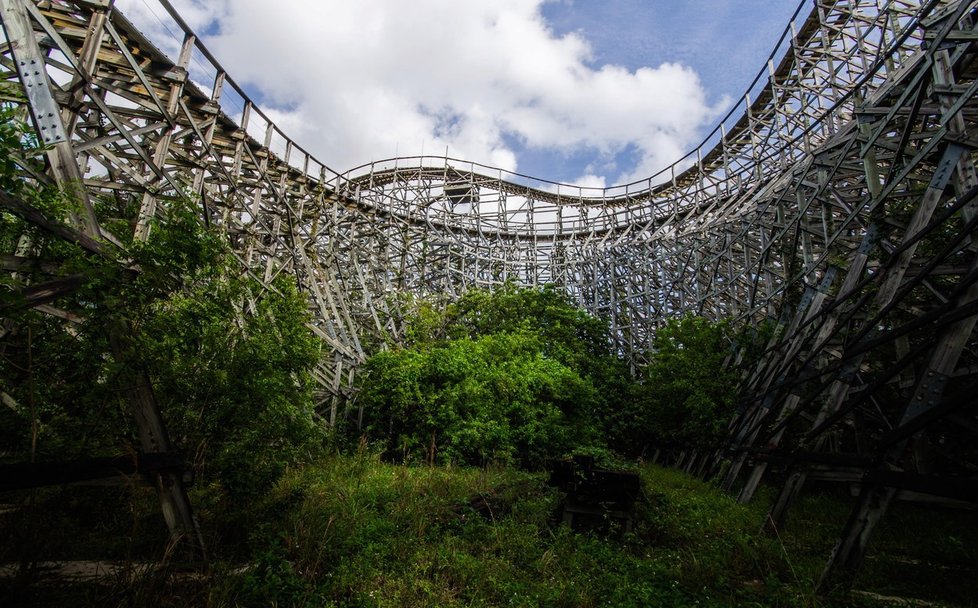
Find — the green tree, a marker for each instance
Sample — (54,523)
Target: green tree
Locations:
(568,334)
(512,375)
(229,359)
(685,394)
(494,398)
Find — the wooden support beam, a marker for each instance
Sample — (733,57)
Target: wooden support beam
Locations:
(67,233)
(22,476)
(42,293)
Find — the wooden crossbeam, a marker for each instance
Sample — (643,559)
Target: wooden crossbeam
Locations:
(26,475)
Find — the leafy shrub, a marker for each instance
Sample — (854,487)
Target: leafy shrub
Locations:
(228,359)
(685,395)
(517,375)
(493,398)
(522,374)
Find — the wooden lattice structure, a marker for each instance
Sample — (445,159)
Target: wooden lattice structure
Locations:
(837,201)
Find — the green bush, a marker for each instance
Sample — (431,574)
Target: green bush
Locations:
(493,398)
(518,375)
(522,374)
(685,395)
(229,360)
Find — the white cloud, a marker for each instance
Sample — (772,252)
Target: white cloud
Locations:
(590,181)
(154,20)
(355,82)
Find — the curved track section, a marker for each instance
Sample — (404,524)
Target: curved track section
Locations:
(708,233)
(836,202)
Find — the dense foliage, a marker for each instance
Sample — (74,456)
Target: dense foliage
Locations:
(523,374)
(229,361)
(512,376)
(686,395)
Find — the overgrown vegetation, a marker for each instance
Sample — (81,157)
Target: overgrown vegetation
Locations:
(686,395)
(228,359)
(515,376)
(502,381)
(356,531)
(408,536)
(522,375)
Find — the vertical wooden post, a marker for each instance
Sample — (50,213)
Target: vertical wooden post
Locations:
(66,172)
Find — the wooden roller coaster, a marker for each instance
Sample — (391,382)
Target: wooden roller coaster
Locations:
(837,201)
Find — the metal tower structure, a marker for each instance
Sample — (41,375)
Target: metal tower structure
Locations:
(837,201)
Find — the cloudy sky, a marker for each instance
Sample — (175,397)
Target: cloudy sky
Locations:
(594,92)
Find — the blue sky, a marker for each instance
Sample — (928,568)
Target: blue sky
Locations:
(583,91)
(725,42)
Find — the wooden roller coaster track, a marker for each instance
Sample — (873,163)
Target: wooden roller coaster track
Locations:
(837,201)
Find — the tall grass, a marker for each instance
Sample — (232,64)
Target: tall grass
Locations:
(355,531)
(361,532)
